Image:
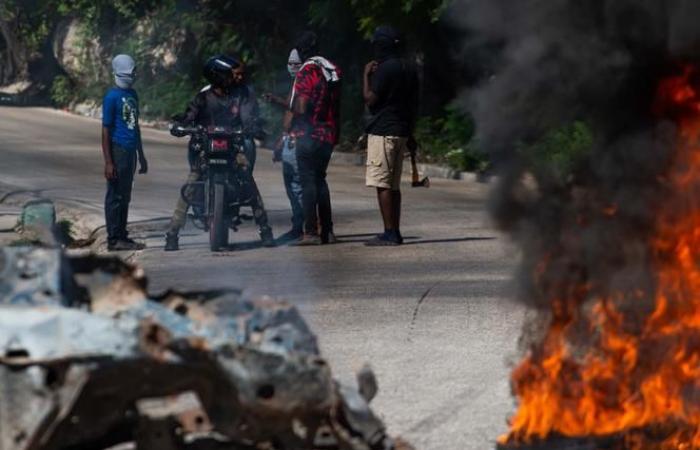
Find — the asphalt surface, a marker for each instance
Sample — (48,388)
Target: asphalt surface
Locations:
(432,317)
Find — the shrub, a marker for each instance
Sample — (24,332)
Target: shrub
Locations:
(62,91)
(557,154)
(448,139)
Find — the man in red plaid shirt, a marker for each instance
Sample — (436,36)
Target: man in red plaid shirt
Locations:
(314,127)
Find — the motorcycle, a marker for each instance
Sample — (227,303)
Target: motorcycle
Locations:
(223,189)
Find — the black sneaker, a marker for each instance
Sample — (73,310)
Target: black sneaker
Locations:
(329,238)
(267,239)
(384,240)
(171,242)
(124,245)
(133,242)
(291,235)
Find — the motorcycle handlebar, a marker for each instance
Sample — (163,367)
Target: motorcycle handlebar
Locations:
(182,130)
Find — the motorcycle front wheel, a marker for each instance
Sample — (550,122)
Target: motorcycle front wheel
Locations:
(218,231)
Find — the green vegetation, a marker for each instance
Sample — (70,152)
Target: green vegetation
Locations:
(170,39)
(62,91)
(64,231)
(449,138)
(560,151)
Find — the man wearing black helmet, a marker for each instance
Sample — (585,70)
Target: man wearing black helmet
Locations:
(227,99)
(391,94)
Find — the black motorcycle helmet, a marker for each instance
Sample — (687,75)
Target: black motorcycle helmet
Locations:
(217,70)
(386,42)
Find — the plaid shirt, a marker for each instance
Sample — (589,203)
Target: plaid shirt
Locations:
(321,121)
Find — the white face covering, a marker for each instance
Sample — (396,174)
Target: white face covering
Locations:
(124,70)
(293,63)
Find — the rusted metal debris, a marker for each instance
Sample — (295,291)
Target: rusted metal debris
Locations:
(89,361)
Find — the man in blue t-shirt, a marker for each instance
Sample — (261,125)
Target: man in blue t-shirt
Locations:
(121,146)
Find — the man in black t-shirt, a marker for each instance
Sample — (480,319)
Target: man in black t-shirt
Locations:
(391,90)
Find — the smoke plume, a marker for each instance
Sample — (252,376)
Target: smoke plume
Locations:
(556,62)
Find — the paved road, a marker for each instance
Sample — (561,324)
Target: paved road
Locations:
(431,317)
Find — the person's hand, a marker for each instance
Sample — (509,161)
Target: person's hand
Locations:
(277,150)
(143,166)
(276,155)
(371,67)
(110,172)
(176,131)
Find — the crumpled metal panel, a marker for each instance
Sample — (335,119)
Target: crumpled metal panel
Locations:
(95,362)
(30,276)
(46,334)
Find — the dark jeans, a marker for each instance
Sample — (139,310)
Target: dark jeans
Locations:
(290,172)
(313,158)
(119,193)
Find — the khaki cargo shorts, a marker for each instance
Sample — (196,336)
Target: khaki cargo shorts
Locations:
(385,161)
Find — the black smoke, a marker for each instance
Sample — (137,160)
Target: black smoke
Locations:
(550,63)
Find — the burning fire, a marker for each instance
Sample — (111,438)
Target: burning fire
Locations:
(638,378)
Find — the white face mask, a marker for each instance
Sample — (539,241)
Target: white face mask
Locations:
(293,69)
(124,81)
(124,70)
(293,63)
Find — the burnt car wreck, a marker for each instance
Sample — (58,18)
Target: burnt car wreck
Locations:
(89,361)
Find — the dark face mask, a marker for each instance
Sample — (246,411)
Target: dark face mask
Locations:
(384,49)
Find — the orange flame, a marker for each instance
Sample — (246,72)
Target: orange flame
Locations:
(614,386)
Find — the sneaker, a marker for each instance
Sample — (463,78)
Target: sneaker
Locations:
(308,239)
(122,245)
(133,242)
(266,237)
(329,238)
(383,240)
(291,235)
(171,242)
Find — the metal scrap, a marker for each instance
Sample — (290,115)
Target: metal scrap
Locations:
(88,360)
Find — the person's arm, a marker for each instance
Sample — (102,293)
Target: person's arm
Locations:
(287,121)
(298,109)
(300,106)
(194,108)
(369,95)
(107,122)
(304,84)
(110,171)
(143,163)
(276,100)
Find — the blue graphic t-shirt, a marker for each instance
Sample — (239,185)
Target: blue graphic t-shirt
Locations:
(120,113)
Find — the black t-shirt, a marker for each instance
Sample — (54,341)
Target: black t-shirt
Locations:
(238,104)
(395,83)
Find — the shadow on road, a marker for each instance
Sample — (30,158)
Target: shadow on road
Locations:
(346,236)
(448,240)
(409,240)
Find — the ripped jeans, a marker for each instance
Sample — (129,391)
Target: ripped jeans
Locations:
(292,184)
